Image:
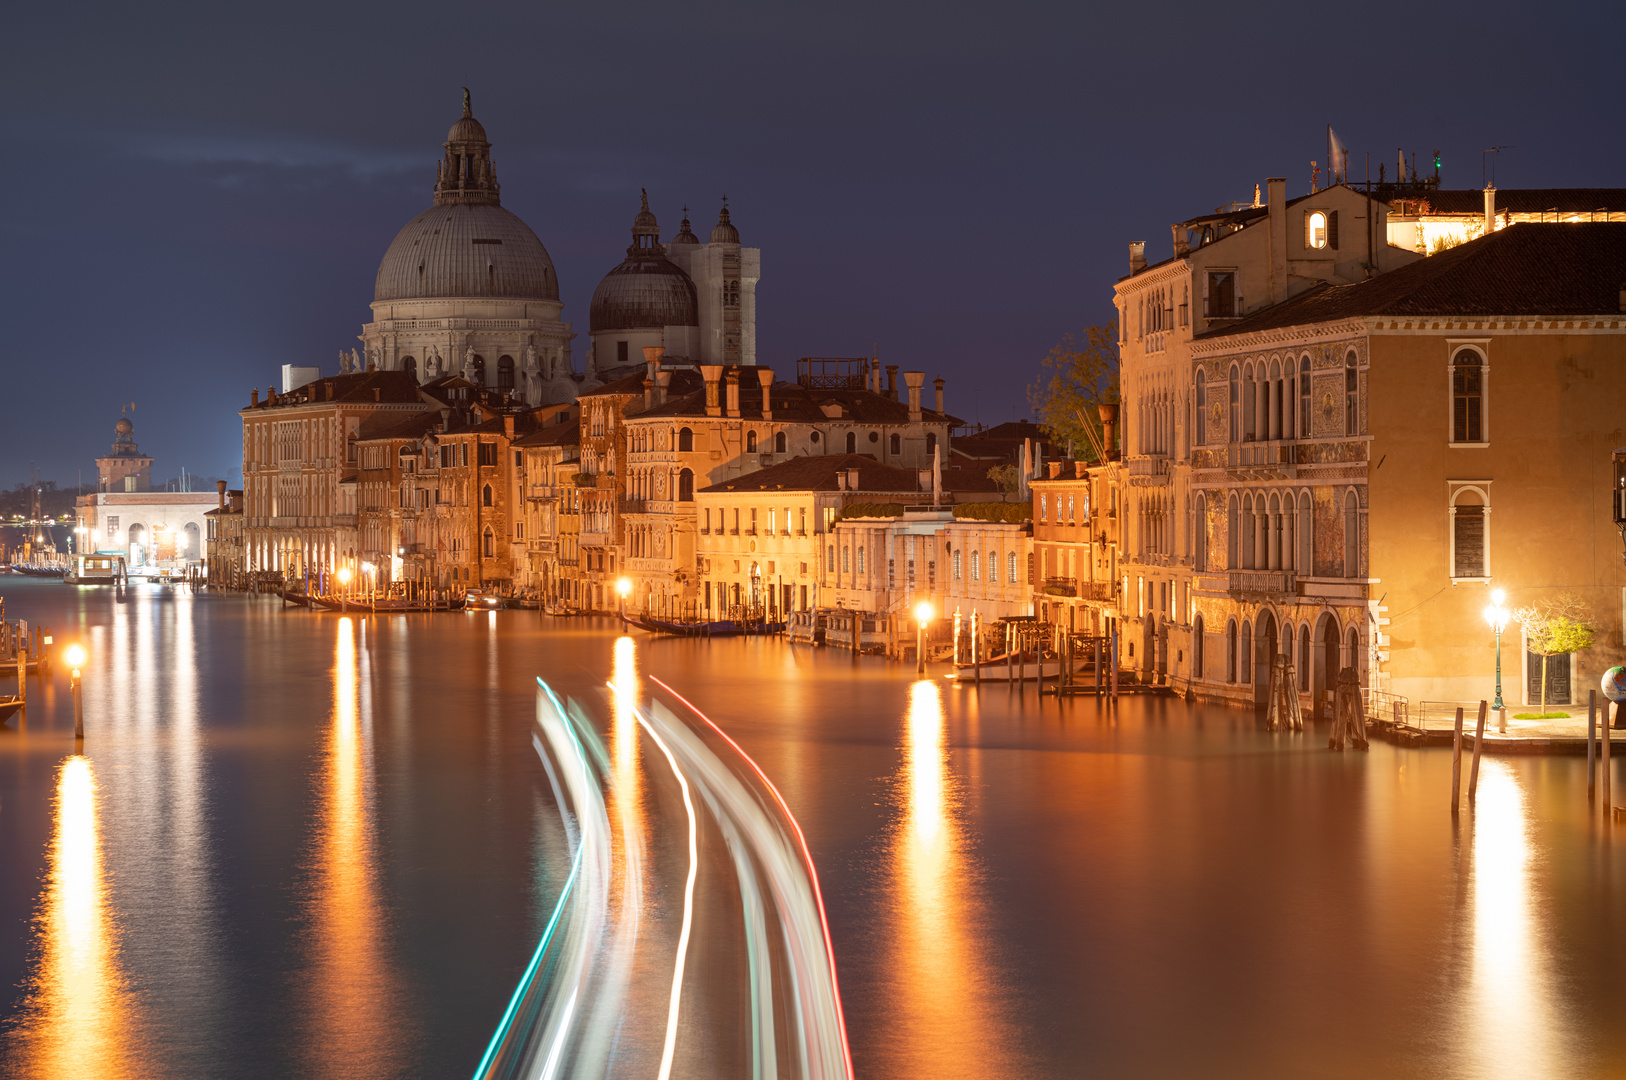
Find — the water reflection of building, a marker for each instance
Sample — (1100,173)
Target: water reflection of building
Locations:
(126,517)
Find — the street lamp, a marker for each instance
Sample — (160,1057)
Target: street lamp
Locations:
(622,587)
(923,615)
(75,656)
(1496,615)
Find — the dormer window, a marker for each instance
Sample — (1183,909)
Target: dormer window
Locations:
(1321,230)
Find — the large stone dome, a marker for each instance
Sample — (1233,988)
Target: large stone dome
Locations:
(466,249)
(647,290)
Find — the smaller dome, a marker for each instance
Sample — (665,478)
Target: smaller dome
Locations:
(685,235)
(123,427)
(724,231)
(645,219)
(467,129)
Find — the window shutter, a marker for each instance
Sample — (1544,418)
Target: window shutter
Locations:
(1470,541)
(1332,229)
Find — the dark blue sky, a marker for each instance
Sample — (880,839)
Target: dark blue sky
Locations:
(199,193)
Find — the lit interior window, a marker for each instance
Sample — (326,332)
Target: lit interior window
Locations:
(1315,230)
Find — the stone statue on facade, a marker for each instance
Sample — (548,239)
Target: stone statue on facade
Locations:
(344,362)
(468,365)
(436,364)
(530,357)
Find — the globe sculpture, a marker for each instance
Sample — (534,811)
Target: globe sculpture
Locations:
(1614,684)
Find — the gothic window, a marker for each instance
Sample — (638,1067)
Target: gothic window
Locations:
(779,442)
(1304,397)
(1304,562)
(685,486)
(1233,528)
(1352,411)
(1352,535)
(1244,654)
(685,440)
(1199,427)
(1468,397)
(1230,651)
(1197,648)
(1200,534)
(897,444)
(1236,403)
(488,544)
(485,495)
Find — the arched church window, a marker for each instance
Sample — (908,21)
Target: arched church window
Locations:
(485,495)
(931,443)
(505,373)
(410,366)
(685,486)
(750,442)
(779,442)
(685,440)
(897,444)
(852,442)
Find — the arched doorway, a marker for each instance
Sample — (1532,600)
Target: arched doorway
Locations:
(1326,666)
(1264,654)
(194,546)
(138,545)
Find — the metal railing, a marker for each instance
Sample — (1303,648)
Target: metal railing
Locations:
(1060,586)
(1263,582)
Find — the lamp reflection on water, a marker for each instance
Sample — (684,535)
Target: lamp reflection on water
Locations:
(80,1015)
(355,1025)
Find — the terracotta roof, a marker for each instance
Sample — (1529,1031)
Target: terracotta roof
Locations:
(795,403)
(394,387)
(819,473)
(1525,200)
(1527,269)
(553,435)
(391,426)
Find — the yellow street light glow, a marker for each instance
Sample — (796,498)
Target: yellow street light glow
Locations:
(1497,597)
(75,656)
(923,612)
(344,575)
(623,586)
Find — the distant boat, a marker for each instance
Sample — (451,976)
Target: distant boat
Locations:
(704,628)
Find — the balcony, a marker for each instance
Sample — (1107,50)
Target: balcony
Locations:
(1267,584)
(1060,586)
(635,506)
(1222,307)
(1273,459)
(1148,470)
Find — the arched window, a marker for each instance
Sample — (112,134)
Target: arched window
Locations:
(1290,428)
(976,567)
(685,485)
(1197,648)
(1230,651)
(846,559)
(1352,535)
(350,447)
(485,495)
(1199,531)
(1315,230)
(1236,404)
(897,444)
(488,544)
(1246,533)
(1352,396)
(1244,654)
(1233,530)
(1467,397)
(1273,534)
(931,443)
(852,442)
(1044,507)
(1304,657)
(1304,564)
(956,566)
(1352,648)
(410,366)
(505,372)
(993,566)
(1304,397)
(685,441)
(1469,526)
(1199,421)
(1250,404)
(1010,567)
(779,442)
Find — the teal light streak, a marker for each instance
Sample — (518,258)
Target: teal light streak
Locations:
(553,923)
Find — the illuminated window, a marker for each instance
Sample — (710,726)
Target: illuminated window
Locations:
(956,564)
(976,567)
(1315,230)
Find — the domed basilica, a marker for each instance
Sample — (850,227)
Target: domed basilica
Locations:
(466,288)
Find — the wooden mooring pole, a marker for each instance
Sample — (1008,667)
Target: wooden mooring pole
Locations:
(1479,741)
(1456,764)
(1604,767)
(1591,744)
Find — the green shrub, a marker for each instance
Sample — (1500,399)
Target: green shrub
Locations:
(871,510)
(1014,513)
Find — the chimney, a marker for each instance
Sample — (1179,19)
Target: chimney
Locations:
(938,383)
(914,380)
(1181,247)
(732,378)
(376,394)
(254,398)
(874,383)
(852,479)
(220,486)
(925,482)
(663,382)
(841,480)
(508,425)
(711,373)
(1109,429)
(652,367)
(1490,209)
(1276,204)
(1137,256)
(1080,470)
(892,381)
(1054,468)
(765,377)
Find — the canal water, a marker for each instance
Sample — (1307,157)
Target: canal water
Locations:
(300,845)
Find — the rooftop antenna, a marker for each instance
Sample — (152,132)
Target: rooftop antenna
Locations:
(1491,152)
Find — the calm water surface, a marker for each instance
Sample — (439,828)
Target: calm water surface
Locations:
(300,845)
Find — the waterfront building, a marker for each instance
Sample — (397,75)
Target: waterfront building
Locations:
(124,516)
(300,466)
(1075,526)
(550,458)
(690,433)
(395,504)
(1225,266)
(466,288)
(225,550)
(1347,517)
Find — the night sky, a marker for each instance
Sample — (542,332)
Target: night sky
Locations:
(198,194)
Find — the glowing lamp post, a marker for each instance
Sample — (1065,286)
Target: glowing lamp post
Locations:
(622,588)
(1496,615)
(923,615)
(75,656)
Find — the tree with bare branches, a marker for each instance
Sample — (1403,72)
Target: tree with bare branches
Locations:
(1554,627)
(1083,376)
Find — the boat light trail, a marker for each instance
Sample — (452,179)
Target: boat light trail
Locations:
(807,856)
(688,900)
